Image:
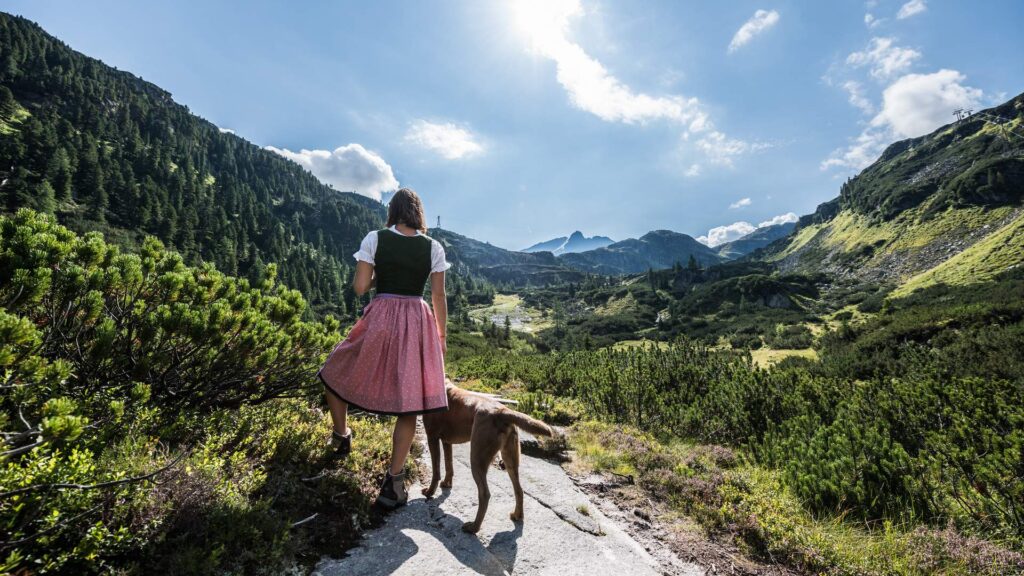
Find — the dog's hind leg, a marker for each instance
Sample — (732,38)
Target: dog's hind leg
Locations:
(482,450)
(449,468)
(510,455)
(435,462)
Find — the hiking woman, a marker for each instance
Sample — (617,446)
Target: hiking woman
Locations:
(392,362)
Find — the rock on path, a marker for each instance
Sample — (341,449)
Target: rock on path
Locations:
(563,533)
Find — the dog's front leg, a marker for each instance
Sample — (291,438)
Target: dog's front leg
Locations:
(449,469)
(435,462)
(480,457)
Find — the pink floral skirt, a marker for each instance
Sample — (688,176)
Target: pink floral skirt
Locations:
(391,362)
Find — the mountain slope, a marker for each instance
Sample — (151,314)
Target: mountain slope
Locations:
(934,202)
(655,250)
(755,240)
(105,150)
(503,266)
(575,242)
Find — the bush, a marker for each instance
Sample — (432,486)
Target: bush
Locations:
(922,447)
(136,430)
(795,337)
(754,508)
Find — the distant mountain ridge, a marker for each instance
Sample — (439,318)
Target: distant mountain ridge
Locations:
(503,266)
(575,242)
(755,240)
(659,249)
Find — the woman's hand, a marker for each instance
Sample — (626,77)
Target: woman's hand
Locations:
(444,344)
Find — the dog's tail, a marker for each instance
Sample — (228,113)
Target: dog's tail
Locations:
(524,422)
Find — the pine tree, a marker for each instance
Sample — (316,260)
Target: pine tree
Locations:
(44,198)
(58,172)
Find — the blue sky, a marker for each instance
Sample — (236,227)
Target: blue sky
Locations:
(521,121)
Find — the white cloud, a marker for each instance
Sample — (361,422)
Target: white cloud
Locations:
(693,170)
(593,89)
(449,140)
(721,149)
(761,21)
(348,168)
(225,130)
(857,98)
(871,21)
(780,219)
(884,58)
(858,155)
(740,203)
(912,8)
(721,234)
(728,233)
(590,86)
(912,106)
(916,104)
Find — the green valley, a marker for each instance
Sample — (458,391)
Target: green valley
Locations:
(840,395)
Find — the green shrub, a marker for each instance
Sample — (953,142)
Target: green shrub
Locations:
(142,429)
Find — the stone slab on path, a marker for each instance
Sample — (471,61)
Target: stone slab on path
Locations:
(563,533)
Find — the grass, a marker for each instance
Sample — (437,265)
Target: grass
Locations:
(625,305)
(765,357)
(849,231)
(623,344)
(802,237)
(524,318)
(230,506)
(9,125)
(919,233)
(854,234)
(999,129)
(734,499)
(993,254)
(851,314)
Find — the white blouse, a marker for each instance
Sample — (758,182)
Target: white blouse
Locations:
(368,249)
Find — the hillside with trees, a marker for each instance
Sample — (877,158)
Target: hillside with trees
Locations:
(105,150)
(842,398)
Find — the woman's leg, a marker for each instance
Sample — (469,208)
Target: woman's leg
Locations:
(401,442)
(339,413)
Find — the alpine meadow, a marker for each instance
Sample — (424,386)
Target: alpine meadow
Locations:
(835,393)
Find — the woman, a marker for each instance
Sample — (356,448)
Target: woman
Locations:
(392,362)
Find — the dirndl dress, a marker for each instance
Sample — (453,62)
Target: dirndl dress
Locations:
(391,362)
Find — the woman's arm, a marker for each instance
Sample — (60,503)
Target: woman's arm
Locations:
(363,280)
(440,302)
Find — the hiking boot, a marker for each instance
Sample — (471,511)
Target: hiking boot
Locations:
(340,445)
(392,492)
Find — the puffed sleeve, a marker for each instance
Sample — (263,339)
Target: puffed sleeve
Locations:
(367,249)
(437,261)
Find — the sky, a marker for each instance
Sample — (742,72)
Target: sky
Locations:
(522,121)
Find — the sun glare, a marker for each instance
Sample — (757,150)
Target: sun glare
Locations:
(543,22)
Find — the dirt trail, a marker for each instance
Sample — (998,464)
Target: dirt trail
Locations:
(564,533)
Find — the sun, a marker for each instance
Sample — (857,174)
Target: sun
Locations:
(543,23)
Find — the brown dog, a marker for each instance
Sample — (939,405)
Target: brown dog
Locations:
(489,427)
